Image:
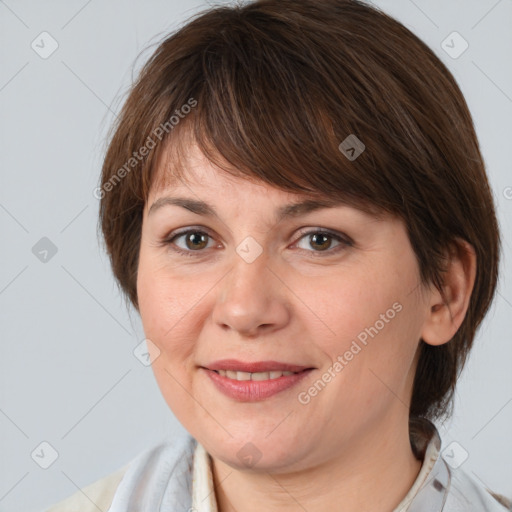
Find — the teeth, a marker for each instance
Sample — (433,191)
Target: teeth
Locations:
(252,376)
(262,376)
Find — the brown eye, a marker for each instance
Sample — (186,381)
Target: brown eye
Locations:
(191,241)
(321,241)
(196,240)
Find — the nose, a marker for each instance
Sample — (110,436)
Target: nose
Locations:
(251,299)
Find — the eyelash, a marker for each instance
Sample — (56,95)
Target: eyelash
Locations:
(345,241)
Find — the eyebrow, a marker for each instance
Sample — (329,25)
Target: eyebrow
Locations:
(286,211)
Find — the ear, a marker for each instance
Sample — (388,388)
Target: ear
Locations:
(446,310)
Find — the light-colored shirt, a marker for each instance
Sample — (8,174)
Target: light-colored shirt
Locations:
(177,477)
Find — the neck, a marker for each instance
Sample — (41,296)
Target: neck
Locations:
(374,473)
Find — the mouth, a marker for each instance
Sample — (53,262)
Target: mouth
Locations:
(234,365)
(249,382)
(243,376)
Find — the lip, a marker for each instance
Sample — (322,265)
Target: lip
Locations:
(254,367)
(254,390)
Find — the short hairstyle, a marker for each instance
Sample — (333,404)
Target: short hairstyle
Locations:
(268,90)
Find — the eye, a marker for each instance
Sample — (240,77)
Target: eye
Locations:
(194,241)
(322,240)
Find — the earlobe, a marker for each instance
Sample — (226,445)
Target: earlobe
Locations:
(446,310)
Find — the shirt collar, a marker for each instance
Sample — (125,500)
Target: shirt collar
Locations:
(429,491)
(427,494)
(203,493)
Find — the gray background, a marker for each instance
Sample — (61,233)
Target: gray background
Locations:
(68,375)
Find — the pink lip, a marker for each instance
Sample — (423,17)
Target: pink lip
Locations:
(257,366)
(254,390)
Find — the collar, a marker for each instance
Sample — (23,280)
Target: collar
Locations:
(203,493)
(427,494)
(430,489)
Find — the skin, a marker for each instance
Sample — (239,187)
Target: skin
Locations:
(349,445)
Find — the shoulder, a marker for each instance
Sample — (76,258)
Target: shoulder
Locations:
(159,461)
(98,495)
(468,494)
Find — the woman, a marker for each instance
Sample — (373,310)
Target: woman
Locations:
(311,248)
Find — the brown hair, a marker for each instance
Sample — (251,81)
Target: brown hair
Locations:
(273,88)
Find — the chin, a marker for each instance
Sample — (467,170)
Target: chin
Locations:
(254,453)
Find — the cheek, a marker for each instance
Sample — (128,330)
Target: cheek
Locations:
(374,319)
(165,308)
(359,306)
(162,303)
(173,308)
(166,299)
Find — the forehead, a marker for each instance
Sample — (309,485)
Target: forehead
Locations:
(191,170)
(183,170)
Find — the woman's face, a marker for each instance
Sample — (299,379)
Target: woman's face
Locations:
(244,285)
